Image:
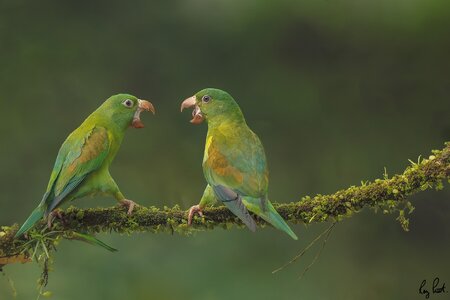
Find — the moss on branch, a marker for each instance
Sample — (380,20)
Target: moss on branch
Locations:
(388,195)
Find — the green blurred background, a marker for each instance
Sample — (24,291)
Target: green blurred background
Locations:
(337,90)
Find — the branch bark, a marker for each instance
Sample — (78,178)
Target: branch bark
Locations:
(387,194)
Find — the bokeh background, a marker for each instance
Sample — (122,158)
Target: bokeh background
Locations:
(337,90)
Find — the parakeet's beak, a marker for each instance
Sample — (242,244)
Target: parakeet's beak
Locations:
(143,105)
(197,113)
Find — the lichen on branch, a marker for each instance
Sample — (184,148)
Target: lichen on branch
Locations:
(388,195)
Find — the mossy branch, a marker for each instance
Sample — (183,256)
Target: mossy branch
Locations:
(387,194)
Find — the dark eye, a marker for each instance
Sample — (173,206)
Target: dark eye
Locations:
(206,98)
(128,103)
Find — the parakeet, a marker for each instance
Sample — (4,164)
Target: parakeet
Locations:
(82,165)
(234,161)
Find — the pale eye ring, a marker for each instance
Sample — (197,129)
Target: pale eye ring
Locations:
(206,98)
(128,103)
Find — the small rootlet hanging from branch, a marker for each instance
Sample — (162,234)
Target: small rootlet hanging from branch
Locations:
(388,195)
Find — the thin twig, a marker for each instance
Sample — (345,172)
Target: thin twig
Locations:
(295,258)
(325,240)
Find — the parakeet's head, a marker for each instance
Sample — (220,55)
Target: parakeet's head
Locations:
(212,105)
(125,110)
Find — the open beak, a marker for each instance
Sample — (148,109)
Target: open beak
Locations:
(143,105)
(197,116)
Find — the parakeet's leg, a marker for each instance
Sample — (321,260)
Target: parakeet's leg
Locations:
(196,209)
(128,204)
(54,214)
(208,199)
(111,188)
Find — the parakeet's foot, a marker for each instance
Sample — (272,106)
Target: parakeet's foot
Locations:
(129,204)
(192,211)
(54,214)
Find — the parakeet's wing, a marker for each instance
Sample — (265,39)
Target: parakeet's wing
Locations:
(80,155)
(236,159)
(233,202)
(235,167)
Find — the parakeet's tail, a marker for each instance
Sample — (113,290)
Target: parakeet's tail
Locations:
(272,216)
(35,216)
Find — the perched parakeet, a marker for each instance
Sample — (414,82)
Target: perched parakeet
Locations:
(234,162)
(82,165)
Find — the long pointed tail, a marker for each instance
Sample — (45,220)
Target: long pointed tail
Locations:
(35,216)
(277,221)
(270,215)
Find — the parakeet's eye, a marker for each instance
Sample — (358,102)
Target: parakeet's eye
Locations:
(206,98)
(128,103)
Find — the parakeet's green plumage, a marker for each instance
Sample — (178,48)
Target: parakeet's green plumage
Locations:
(234,162)
(82,164)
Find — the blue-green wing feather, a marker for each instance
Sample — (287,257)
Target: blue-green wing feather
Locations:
(79,155)
(233,202)
(87,157)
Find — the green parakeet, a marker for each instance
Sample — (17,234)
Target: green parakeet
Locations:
(234,162)
(82,165)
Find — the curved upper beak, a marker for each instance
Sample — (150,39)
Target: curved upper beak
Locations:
(142,105)
(197,115)
(189,102)
(146,105)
